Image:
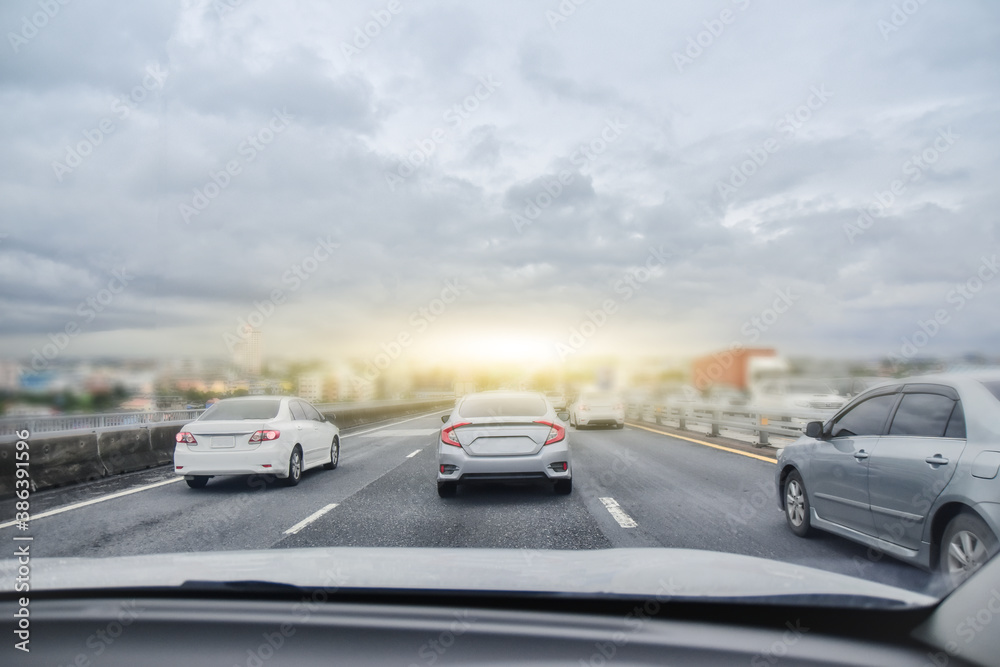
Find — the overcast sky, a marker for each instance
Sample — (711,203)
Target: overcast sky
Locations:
(414,155)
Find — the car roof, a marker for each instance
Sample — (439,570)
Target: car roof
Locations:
(502,393)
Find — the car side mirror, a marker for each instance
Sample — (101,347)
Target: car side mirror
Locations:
(814,430)
(445,418)
(330,417)
(563,415)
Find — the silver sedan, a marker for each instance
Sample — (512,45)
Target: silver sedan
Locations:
(909,469)
(503,436)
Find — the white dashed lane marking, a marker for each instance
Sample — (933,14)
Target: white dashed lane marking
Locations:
(623,519)
(309,519)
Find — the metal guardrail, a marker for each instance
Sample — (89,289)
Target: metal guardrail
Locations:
(37,425)
(758,422)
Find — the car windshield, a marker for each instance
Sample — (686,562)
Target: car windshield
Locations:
(502,406)
(249,409)
(439,223)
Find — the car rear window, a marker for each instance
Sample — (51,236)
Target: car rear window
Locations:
(503,406)
(257,409)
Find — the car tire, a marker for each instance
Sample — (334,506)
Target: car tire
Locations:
(334,455)
(966,545)
(294,467)
(447,489)
(563,487)
(619,426)
(796,502)
(197,482)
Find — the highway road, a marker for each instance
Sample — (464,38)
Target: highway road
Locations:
(632,488)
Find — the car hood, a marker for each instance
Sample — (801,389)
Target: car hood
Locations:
(664,573)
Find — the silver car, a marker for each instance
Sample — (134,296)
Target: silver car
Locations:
(908,468)
(597,408)
(503,436)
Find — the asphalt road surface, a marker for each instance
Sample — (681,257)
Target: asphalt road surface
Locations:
(632,488)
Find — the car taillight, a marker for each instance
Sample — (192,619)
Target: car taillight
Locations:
(263,436)
(619,406)
(186,438)
(583,407)
(556,432)
(446,434)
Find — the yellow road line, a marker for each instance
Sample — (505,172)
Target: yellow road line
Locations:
(706,444)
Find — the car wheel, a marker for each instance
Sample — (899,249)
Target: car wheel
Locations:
(966,545)
(797,505)
(197,482)
(447,489)
(294,467)
(334,455)
(564,487)
(619,425)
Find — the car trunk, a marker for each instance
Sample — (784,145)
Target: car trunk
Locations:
(520,437)
(600,402)
(229,434)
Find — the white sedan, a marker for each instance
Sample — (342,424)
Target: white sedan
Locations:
(256,435)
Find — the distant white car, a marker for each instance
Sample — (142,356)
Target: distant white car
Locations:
(256,435)
(798,394)
(597,408)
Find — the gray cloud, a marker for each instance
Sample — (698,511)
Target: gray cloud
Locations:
(655,185)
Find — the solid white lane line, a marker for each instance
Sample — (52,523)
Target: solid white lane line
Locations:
(146,487)
(379,428)
(411,455)
(623,519)
(112,496)
(309,519)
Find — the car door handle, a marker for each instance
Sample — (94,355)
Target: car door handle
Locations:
(861,455)
(936,460)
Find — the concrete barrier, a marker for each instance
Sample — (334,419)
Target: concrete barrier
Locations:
(124,450)
(83,456)
(162,440)
(53,461)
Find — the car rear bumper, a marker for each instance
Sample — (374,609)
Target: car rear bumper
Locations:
(600,418)
(503,468)
(261,461)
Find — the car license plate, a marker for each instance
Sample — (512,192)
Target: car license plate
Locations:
(223,442)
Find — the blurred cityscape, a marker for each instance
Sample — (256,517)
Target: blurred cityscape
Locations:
(75,385)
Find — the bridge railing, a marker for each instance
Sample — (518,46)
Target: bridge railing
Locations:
(55,424)
(757,422)
(59,423)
